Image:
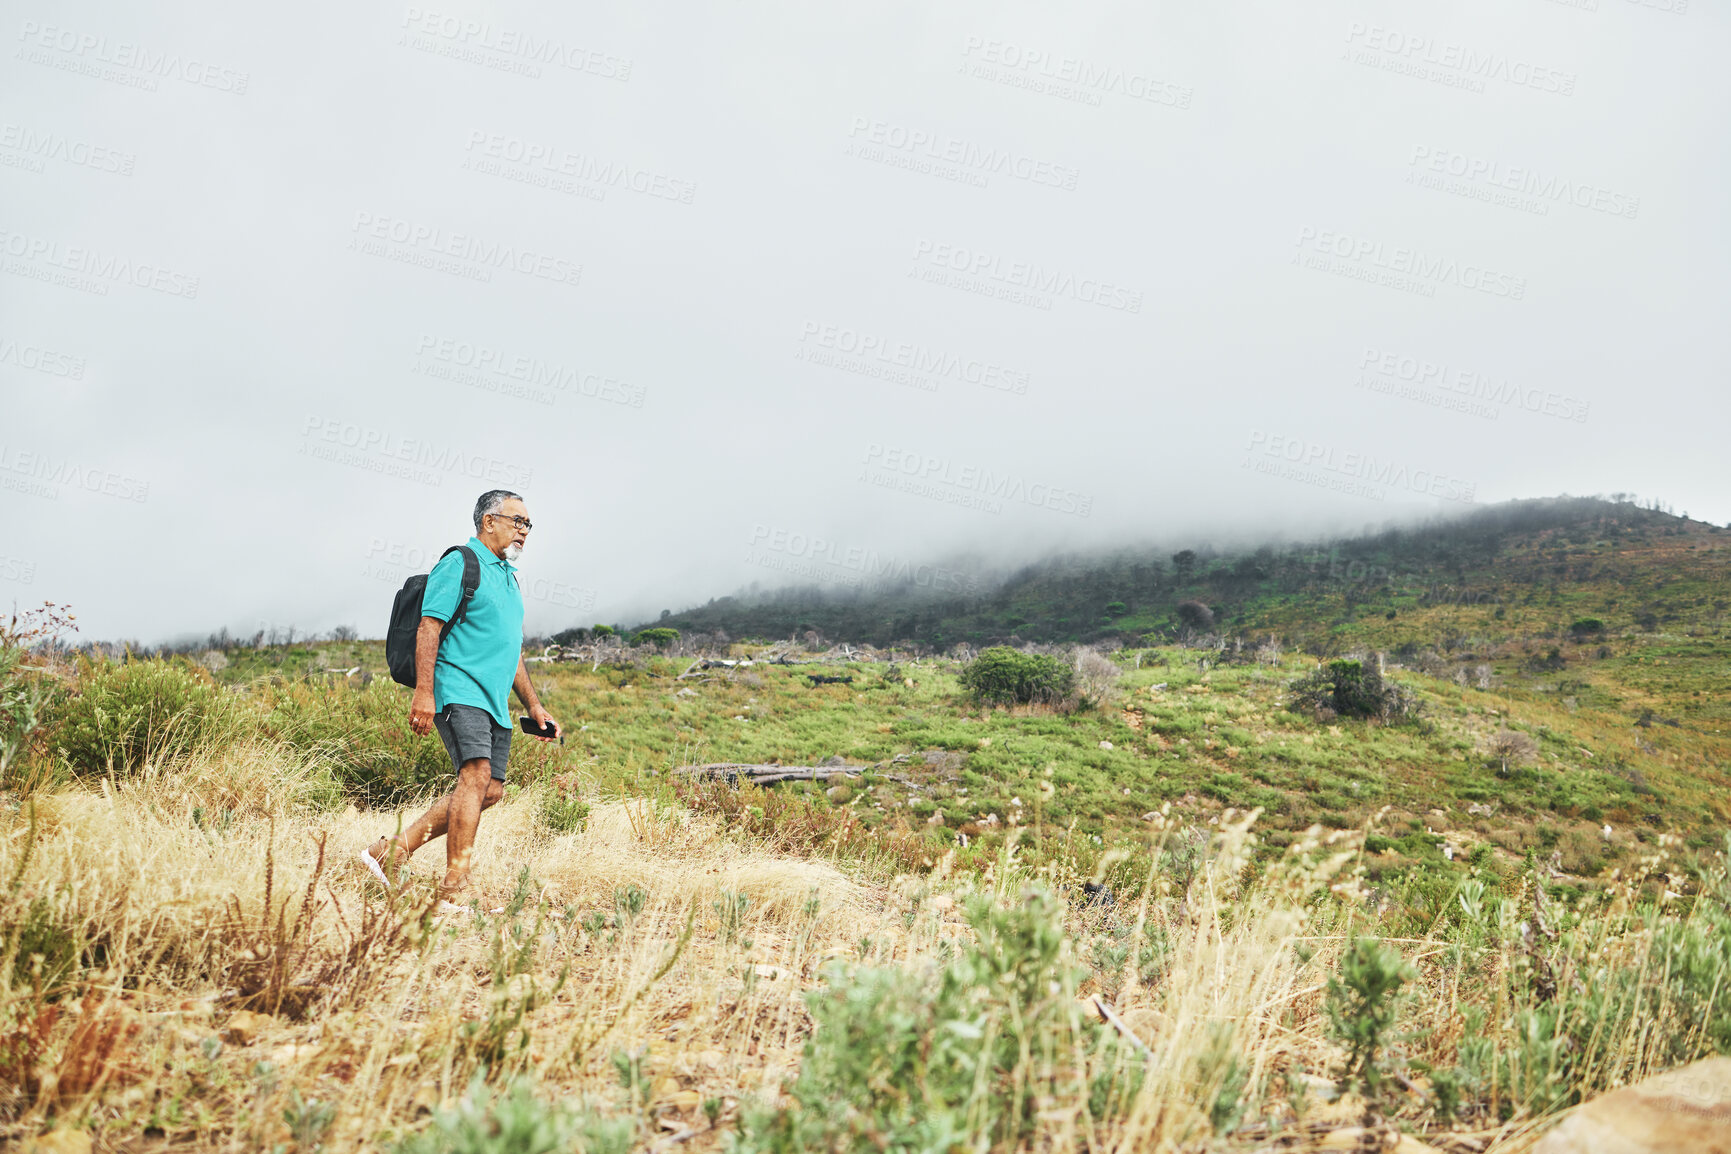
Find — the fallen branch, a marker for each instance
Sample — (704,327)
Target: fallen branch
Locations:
(770,774)
(1111,1018)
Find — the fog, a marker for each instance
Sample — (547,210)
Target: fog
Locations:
(721,291)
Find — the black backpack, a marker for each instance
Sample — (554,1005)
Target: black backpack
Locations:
(406,615)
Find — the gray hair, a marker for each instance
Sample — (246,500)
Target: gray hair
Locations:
(491,502)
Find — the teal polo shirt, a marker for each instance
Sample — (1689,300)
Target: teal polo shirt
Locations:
(478,660)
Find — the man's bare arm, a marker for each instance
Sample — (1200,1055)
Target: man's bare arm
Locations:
(526,694)
(426,658)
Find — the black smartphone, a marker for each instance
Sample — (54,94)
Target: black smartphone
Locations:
(534,730)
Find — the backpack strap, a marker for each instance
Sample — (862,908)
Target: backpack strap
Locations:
(471,582)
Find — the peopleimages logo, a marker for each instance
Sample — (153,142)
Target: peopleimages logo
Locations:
(1407,264)
(936,476)
(86,51)
(1494,175)
(532,157)
(1417,51)
(820,558)
(393,561)
(1084,76)
(1356,473)
(524,49)
(468,255)
(988,268)
(41,360)
(922,361)
(90,269)
(35,148)
(884,141)
(517,374)
(1380,368)
(380,451)
(36,473)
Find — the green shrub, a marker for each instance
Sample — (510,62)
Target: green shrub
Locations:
(966,1059)
(1116,609)
(1350,689)
(1587,627)
(27,696)
(1007,676)
(660,636)
(127,714)
(518,1122)
(363,732)
(1363,1001)
(562,812)
(1195,617)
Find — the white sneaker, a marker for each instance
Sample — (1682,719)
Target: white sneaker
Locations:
(374,867)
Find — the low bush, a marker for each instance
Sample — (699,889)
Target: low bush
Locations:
(1346,688)
(518,1122)
(125,715)
(27,695)
(1005,676)
(979,1056)
(659,637)
(363,734)
(1096,679)
(1195,617)
(562,807)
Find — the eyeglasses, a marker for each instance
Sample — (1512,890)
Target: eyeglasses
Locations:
(522,523)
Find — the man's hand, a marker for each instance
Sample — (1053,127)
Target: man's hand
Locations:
(543,719)
(421,710)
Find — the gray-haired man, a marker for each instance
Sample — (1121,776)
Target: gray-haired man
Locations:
(463,687)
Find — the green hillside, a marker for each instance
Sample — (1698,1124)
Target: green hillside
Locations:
(1545,561)
(1588,638)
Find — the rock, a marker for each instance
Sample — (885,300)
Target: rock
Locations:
(292,1053)
(681,1100)
(244,1027)
(1105,745)
(838,793)
(1382,1139)
(57,1142)
(1682,1111)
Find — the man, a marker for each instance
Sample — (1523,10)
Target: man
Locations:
(463,686)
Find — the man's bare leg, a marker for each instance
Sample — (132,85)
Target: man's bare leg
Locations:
(462,817)
(436,822)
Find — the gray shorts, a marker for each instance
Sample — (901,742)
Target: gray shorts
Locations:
(469,733)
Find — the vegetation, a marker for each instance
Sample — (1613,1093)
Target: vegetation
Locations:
(1004,676)
(1496,573)
(1296,917)
(1346,688)
(126,716)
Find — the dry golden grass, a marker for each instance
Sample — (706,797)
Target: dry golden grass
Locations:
(697,984)
(132,874)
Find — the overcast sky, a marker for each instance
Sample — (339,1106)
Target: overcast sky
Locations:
(775,291)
